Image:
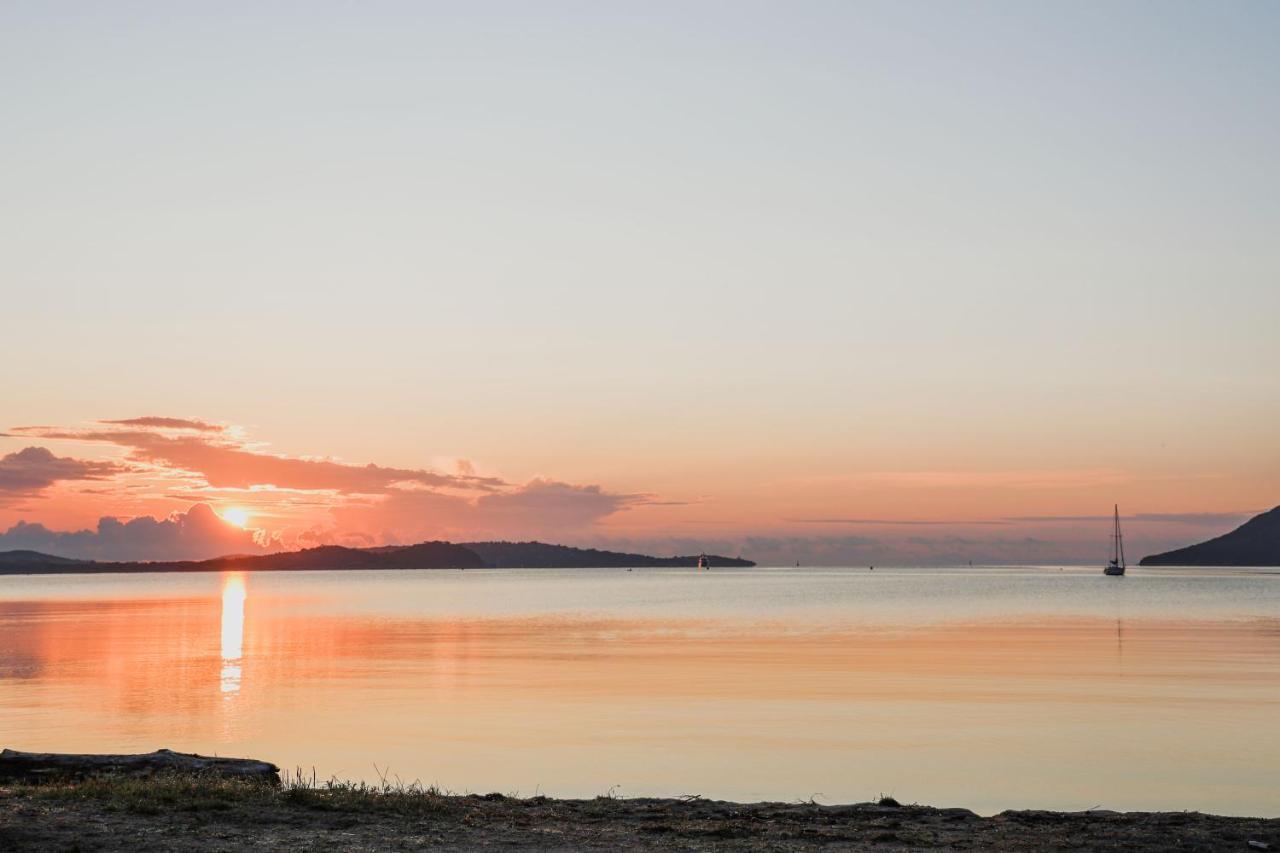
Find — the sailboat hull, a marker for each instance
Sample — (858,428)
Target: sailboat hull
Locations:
(1114,571)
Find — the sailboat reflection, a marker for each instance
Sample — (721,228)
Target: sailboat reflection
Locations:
(233,595)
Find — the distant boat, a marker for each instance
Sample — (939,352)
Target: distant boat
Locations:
(703,562)
(1115,568)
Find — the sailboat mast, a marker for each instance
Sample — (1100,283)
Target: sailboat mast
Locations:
(1115,549)
(1119,537)
(1116,567)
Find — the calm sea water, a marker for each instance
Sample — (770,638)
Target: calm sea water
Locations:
(985,688)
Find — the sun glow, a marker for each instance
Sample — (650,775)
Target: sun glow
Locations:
(237,515)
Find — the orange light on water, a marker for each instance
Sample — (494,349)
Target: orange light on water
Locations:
(233,596)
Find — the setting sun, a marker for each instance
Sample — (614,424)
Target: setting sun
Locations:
(239,516)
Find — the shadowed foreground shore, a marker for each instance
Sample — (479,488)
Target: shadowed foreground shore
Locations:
(193,813)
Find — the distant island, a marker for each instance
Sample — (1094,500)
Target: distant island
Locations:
(424,555)
(1254,543)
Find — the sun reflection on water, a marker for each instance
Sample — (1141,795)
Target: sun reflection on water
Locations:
(233,595)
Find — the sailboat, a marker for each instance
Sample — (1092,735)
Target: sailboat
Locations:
(703,562)
(1115,568)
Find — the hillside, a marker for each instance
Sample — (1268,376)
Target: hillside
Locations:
(540,555)
(1254,543)
(8,558)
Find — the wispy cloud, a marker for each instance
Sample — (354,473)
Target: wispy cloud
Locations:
(1194,518)
(1023,479)
(1197,518)
(538,508)
(907,522)
(155,422)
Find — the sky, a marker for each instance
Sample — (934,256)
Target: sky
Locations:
(818,282)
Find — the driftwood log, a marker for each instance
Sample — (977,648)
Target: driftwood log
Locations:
(40,766)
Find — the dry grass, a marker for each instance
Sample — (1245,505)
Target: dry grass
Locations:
(201,792)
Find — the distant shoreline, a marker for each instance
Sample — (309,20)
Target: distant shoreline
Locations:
(117,569)
(114,569)
(424,555)
(209,567)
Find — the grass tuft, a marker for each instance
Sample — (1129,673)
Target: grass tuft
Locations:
(162,792)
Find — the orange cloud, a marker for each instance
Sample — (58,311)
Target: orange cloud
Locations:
(226,463)
(312,501)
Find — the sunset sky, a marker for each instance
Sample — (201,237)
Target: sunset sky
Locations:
(829,282)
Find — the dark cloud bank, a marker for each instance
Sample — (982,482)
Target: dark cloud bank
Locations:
(196,534)
(31,470)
